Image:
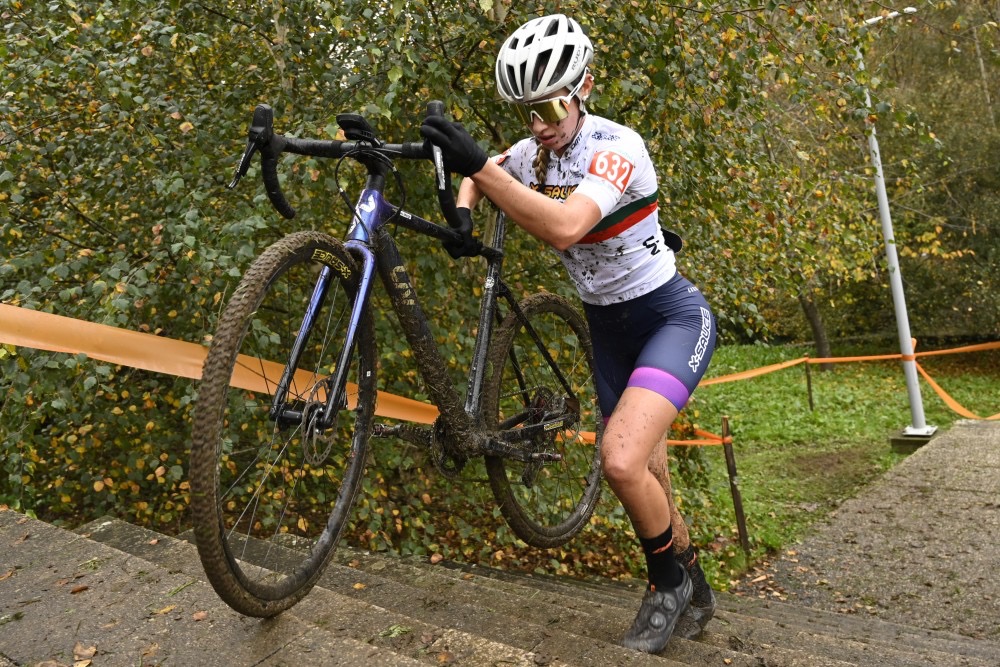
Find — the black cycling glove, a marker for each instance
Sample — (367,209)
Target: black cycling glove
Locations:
(462,155)
(468,246)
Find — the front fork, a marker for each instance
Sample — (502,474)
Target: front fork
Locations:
(336,385)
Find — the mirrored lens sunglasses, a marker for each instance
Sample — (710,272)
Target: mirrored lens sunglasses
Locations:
(547,111)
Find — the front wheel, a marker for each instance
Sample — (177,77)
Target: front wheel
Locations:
(271,493)
(542,381)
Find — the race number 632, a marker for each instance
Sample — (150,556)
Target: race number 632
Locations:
(612,167)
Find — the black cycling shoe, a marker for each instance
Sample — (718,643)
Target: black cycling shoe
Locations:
(694,619)
(659,613)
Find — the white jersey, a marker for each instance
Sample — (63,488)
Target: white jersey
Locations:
(625,254)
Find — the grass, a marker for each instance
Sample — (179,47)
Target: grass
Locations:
(797,464)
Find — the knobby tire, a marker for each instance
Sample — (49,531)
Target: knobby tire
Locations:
(547,503)
(269,503)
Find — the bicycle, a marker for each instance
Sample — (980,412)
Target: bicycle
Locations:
(286,403)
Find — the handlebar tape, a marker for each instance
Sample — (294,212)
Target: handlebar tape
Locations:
(269,168)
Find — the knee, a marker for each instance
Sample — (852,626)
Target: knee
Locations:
(622,472)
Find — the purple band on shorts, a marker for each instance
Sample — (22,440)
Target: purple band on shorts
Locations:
(663,383)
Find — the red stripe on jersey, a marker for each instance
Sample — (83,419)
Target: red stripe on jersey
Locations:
(619,227)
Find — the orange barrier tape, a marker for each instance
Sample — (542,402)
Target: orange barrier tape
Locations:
(837,360)
(743,375)
(956,350)
(706,440)
(949,401)
(56,333)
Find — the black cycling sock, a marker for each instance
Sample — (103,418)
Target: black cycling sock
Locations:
(664,570)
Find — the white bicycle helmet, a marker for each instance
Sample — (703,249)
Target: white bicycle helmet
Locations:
(542,57)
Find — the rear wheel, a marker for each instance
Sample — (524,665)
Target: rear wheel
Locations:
(270,497)
(534,382)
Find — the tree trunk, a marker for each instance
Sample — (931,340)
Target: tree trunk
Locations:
(986,80)
(818,329)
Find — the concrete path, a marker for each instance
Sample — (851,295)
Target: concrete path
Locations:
(921,546)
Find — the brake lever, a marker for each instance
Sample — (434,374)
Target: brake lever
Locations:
(259,134)
(244,165)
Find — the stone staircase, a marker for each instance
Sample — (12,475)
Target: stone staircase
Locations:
(116,594)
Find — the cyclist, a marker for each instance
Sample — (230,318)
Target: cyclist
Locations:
(587,187)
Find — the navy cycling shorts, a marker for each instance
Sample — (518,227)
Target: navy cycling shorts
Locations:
(661,341)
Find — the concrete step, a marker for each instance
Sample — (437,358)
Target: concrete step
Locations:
(65,599)
(134,596)
(346,596)
(478,605)
(933,646)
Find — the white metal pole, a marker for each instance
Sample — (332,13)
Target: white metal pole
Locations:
(919,426)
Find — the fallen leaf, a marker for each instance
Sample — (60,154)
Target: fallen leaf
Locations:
(445,658)
(8,574)
(165,610)
(359,586)
(83,663)
(199,615)
(758,579)
(78,589)
(23,520)
(154,541)
(436,558)
(81,652)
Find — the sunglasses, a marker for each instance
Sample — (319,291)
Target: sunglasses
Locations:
(547,111)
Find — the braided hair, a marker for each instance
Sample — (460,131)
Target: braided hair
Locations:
(541,164)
